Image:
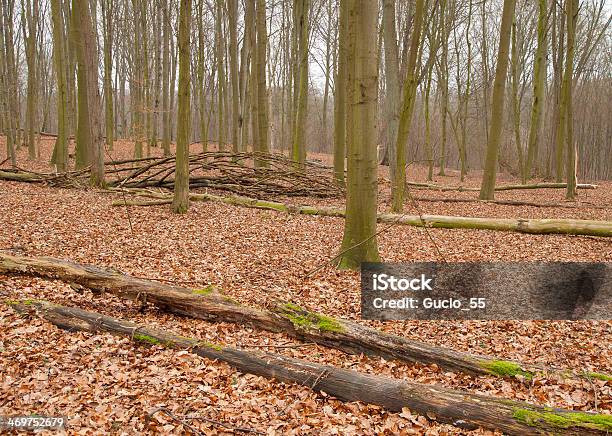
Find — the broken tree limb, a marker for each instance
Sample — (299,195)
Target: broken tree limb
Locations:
(419,185)
(459,408)
(521,225)
(284,317)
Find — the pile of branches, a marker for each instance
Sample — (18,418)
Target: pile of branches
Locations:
(275,175)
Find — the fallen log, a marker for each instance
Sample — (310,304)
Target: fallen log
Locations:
(521,225)
(500,188)
(564,205)
(459,408)
(296,322)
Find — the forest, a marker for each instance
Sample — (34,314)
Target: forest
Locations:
(200,201)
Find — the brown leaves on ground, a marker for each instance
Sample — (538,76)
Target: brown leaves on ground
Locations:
(107,384)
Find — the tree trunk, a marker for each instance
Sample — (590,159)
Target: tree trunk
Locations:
(263,145)
(180,204)
(571,8)
(89,93)
(392,84)
(539,87)
(340,106)
(107,28)
(60,151)
(497,105)
(299,147)
(166,129)
(398,184)
(234,77)
(359,242)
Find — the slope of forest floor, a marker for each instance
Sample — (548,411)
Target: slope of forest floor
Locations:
(106,384)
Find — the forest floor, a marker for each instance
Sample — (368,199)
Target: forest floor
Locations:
(104,384)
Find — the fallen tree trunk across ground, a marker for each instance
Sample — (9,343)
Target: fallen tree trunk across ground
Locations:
(500,188)
(284,317)
(565,205)
(461,409)
(532,226)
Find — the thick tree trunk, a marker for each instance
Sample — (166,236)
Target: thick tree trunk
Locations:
(359,242)
(288,318)
(449,406)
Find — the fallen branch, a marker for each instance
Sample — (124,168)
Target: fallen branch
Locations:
(500,188)
(532,226)
(285,317)
(461,409)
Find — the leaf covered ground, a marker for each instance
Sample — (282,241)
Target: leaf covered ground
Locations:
(106,384)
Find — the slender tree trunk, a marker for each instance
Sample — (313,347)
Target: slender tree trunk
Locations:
(410,84)
(89,115)
(60,152)
(359,243)
(516,106)
(487,191)
(220,55)
(107,27)
(340,106)
(539,86)
(30,11)
(299,146)
(166,129)
(180,203)
(232,6)
(392,98)
(571,8)
(262,91)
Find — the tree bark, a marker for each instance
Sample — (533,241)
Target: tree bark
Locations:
(263,145)
(454,407)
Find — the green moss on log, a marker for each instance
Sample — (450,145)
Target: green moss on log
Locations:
(504,368)
(210,345)
(564,420)
(599,376)
(204,291)
(311,320)
(146,338)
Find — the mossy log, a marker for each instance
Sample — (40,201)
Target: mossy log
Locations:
(293,320)
(532,226)
(459,408)
(500,188)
